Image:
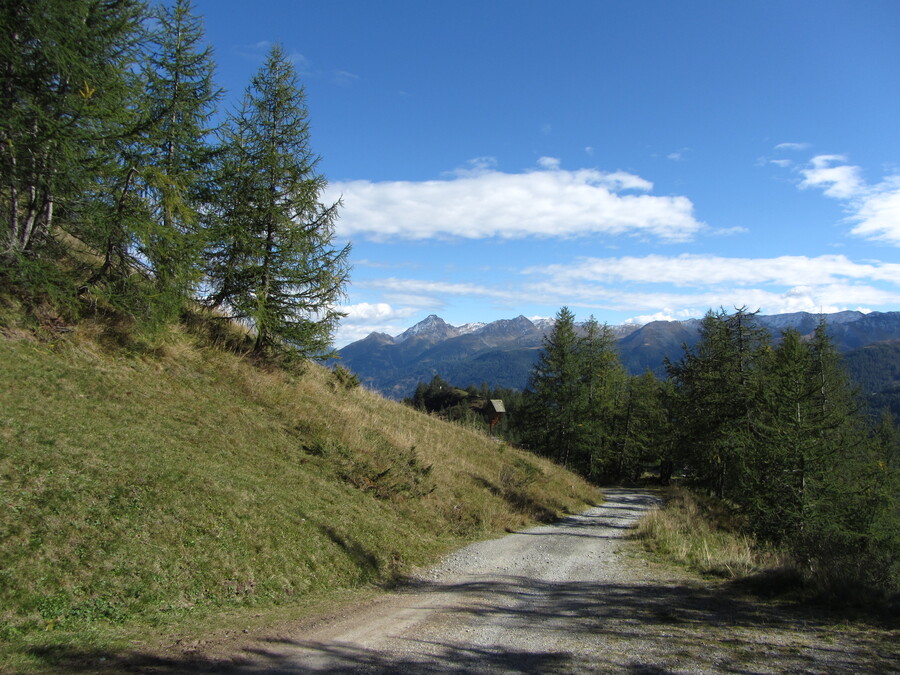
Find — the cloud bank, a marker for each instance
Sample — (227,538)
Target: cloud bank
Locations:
(482,202)
(652,287)
(693,283)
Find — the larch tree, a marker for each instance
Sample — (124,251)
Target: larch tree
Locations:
(174,150)
(785,441)
(285,275)
(716,383)
(149,201)
(64,66)
(554,401)
(603,381)
(639,432)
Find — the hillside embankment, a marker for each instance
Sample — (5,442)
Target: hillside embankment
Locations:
(163,486)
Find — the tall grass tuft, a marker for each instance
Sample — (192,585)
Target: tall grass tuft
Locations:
(702,535)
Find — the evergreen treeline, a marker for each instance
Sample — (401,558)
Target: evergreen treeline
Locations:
(582,409)
(876,367)
(774,429)
(118,192)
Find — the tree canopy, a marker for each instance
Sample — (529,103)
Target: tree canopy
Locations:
(117,191)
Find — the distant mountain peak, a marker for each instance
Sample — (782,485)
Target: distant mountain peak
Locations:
(519,326)
(503,352)
(431,326)
(467,328)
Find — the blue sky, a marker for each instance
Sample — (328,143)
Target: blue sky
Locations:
(638,160)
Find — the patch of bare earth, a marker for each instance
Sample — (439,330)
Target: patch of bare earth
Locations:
(572,597)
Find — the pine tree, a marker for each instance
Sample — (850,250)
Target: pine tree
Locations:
(717,383)
(554,401)
(603,379)
(175,153)
(65,68)
(272,262)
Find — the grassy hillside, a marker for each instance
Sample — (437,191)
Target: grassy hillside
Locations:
(140,485)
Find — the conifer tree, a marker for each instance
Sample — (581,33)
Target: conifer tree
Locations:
(554,401)
(640,431)
(147,207)
(65,68)
(603,380)
(175,153)
(842,480)
(717,382)
(785,441)
(270,228)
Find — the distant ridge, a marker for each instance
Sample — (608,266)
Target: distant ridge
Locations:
(501,353)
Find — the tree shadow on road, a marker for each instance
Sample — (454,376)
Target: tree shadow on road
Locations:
(639,626)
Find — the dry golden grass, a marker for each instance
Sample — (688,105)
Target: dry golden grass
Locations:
(685,532)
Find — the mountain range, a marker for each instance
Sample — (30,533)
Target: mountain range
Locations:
(502,353)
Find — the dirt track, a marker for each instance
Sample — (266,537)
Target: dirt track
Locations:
(571,598)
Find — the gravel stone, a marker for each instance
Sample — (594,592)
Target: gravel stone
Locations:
(574,597)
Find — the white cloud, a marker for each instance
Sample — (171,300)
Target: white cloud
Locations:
(365,318)
(874,208)
(377,264)
(367,311)
(841,182)
(677,286)
(659,287)
(480,202)
(549,163)
(475,167)
(878,214)
(664,315)
(704,270)
(439,288)
(792,146)
(729,231)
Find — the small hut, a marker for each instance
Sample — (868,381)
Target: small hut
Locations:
(494,411)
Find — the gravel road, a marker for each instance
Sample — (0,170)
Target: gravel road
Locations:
(572,597)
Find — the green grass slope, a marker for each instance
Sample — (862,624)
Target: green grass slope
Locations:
(138,487)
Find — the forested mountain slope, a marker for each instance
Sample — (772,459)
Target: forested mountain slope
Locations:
(876,370)
(502,353)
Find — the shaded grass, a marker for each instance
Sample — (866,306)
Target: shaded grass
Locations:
(704,535)
(146,488)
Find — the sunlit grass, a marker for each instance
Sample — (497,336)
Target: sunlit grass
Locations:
(146,487)
(703,538)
